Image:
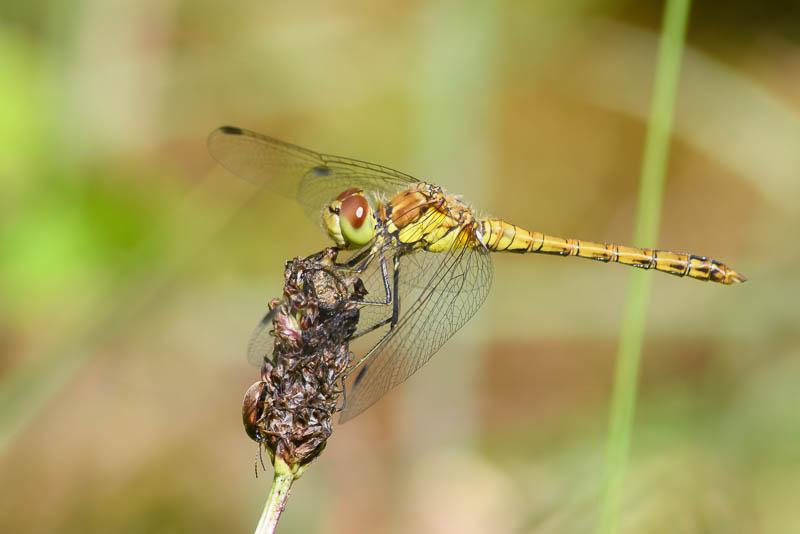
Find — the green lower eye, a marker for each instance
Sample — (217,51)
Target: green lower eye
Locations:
(358,237)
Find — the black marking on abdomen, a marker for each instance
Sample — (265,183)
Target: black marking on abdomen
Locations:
(717,271)
(513,238)
(321,171)
(555,252)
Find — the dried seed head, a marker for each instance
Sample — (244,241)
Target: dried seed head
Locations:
(290,409)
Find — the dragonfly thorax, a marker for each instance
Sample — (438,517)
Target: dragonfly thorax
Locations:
(350,220)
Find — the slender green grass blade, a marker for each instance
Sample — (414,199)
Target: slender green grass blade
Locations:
(654,165)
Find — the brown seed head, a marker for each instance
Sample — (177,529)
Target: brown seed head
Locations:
(290,410)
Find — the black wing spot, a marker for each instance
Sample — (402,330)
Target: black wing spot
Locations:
(360,375)
(231,130)
(321,171)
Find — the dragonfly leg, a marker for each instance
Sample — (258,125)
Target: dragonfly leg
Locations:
(364,257)
(361,361)
(392,323)
(371,329)
(396,283)
(386,286)
(347,372)
(352,262)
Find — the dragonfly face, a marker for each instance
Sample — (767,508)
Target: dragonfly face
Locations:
(349,219)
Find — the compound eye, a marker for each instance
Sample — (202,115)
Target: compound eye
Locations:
(354,210)
(348,193)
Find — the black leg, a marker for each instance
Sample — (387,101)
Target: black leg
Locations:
(364,257)
(387,289)
(392,324)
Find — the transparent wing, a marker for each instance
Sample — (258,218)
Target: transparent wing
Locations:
(310,178)
(439,293)
(262,341)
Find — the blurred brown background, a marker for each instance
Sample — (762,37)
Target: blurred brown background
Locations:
(132,268)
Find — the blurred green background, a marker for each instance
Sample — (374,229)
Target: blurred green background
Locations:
(132,268)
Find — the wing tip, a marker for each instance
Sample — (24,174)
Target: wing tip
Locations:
(215,137)
(223,130)
(230,130)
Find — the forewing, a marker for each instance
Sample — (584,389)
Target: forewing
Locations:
(310,178)
(430,313)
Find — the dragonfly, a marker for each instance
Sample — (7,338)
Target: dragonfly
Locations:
(424,255)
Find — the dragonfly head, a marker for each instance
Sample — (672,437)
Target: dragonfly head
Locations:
(349,219)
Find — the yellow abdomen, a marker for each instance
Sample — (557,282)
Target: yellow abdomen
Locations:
(500,236)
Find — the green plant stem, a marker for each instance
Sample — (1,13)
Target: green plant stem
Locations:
(276,500)
(654,165)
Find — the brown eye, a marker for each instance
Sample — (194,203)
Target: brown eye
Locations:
(354,209)
(348,193)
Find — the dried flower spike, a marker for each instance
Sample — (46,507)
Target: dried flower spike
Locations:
(289,411)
